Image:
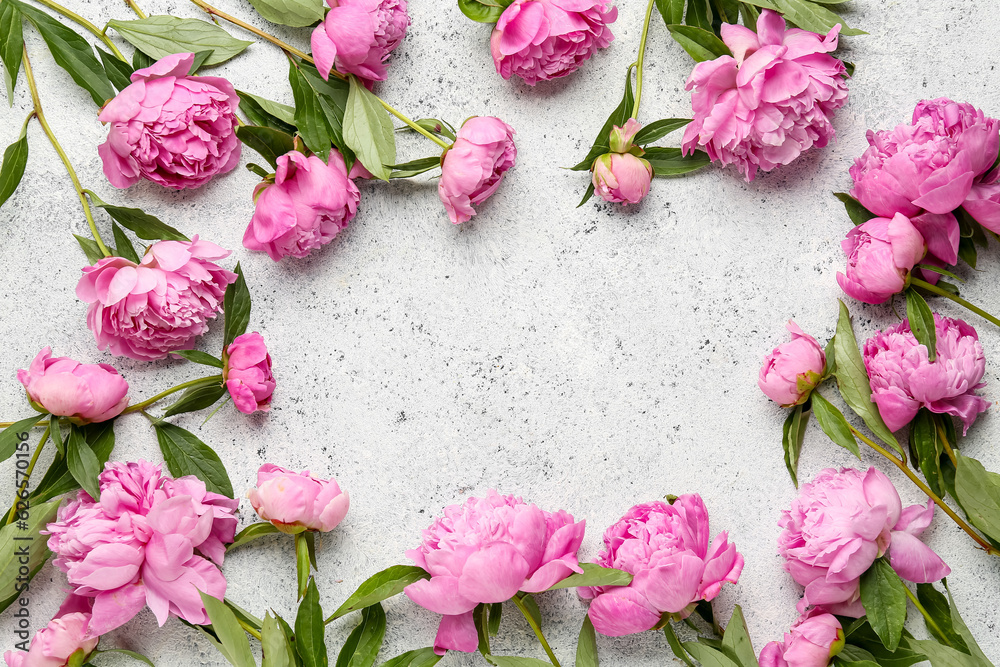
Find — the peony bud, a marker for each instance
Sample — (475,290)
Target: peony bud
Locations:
(793,369)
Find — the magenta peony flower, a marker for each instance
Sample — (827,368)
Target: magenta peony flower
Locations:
(812,642)
(295,502)
(83,392)
(171,128)
(622,176)
(472,169)
(247,373)
(357,37)
(903,380)
(148,310)
(539,40)
(486,550)
(308,203)
(666,547)
(769,102)
(880,255)
(150,540)
(55,643)
(793,369)
(840,523)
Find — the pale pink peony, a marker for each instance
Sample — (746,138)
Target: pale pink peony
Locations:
(148,310)
(539,40)
(836,528)
(247,373)
(357,37)
(622,176)
(150,540)
(812,641)
(903,380)
(295,502)
(171,128)
(484,551)
(666,547)
(769,102)
(472,169)
(881,253)
(56,642)
(793,369)
(83,392)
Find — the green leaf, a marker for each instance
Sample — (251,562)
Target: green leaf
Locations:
(10,438)
(196,398)
(252,532)
(270,143)
(15,159)
(319,108)
(940,625)
(671,162)
(700,44)
(142,224)
(833,423)
(963,629)
(587,195)
(699,15)
(586,645)
(310,643)
(675,644)
(814,17)
(119,72)
(708,656)
(123,246)
(515,661)
(83,463)
(736,641)
(302,563)
(414,167)
(531,607)
(672,11)
(90,249)
(368,130)
(865,638)
(140,60)
(138,657)
(658,129)
(262,111)
(481,624)
(921,322)
(495,614)
(940,655)
(278,652)
(594,575)
(852,379)
(793,433)
(236,306)
(233,641)
(940,271)
(199,357)
(365,641)
(159,36)
(380,586)
(200,58)
(11,45)
(16,537)
(295,13)
(483,11)
(71,52)
(185,454)
(618,117)
(58,479)
(55,433)
(884,598)
(855,211)
(978,491)
(926,448)
(421,657)
(436,126)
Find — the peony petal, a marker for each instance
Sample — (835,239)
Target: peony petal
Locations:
(493,574)
(915,561)
(622,611)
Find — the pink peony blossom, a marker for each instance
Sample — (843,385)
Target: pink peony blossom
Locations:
(622,176)
(903,380)
(472,169)
(770,101)
(83,392)
(150,540)
(667,548)
(148,310)
(308,203)
(793,369)
(486,550)
(880,255)
(812,642)
(295,502)
(247,373)
(836,528)
(55,643)
(171,128)
(539,40)
(357,37)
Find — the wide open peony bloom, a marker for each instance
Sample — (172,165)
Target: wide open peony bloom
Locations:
(148,310)
(247,373)
(486,550)
(812,641)
(357,37)
(308,203)
(622,176)
(150,540)
(295,502)
(472,169)
(903,380)
(539,40)
(171,128)
(667,548)
(83,392)
(793,369)
(769,102)
(840,523)
(880,255)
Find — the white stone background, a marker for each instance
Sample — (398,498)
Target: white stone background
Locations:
(586,359)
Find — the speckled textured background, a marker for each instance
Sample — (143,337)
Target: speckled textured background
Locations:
(586,359)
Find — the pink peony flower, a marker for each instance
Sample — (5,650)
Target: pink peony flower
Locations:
(769,102)
(472,169)
(171,128)
(486,550)
(840,523)
(308,203)
(880,255)
(666,547)
(793,369)
(148,310)
(539,40)
(812,642)
(83,392)
(295,502)
(150,540)
(55,643)
(357,37)
(903,380)
(622,176)
(247,373)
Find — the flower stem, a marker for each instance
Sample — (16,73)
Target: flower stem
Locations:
(536,629)
(927,617)
(43,422)
(302,567)
(27,475)
(90,27)
(139,407)
(916,282)
(641,59)
(62,154)
(944,441)
(249,628)
(416,128)
(135,8)
(986,546)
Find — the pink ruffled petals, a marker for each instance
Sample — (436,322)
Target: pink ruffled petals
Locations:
(473,168)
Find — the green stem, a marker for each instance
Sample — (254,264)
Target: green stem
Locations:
(62,154)
(90,27)
(947,445)
(43,422)
(416,128)
(139,407)
(249,628)
(302,563)
(642,57)
(537,630)
(916,282)
(927,617)
(27,475)
(135,8)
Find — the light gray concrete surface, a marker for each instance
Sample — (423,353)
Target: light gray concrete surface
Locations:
(586,359)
